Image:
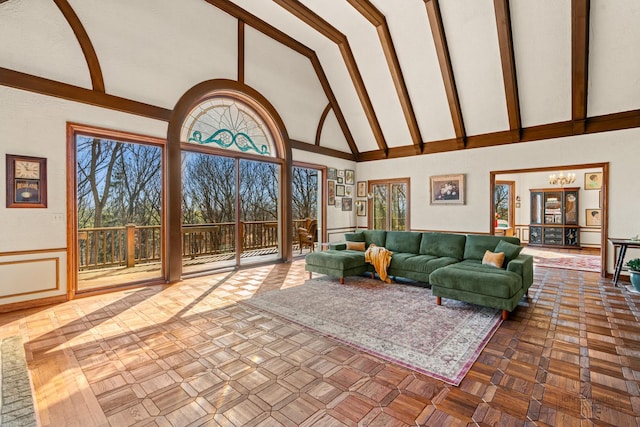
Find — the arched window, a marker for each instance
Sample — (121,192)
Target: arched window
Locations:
(230,124)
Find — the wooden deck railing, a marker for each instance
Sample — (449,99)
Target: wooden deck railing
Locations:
(105,247)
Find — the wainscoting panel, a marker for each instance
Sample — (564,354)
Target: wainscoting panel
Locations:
(29,275)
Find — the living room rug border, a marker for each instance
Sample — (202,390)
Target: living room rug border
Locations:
(453,380)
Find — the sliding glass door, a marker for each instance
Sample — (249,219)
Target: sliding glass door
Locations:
(389,209)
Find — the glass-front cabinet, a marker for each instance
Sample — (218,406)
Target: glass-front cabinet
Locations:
(554,217)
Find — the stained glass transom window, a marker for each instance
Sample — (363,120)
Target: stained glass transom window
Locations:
(228,123)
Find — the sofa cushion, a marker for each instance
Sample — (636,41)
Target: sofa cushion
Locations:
(510,250)
(495,259)
(477,244)
(403,241)
(422,263)
(478,279)
(355,246)
(443,245)
(377,237)
(333,259)
(354,237)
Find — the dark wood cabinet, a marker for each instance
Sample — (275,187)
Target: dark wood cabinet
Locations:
(554,217)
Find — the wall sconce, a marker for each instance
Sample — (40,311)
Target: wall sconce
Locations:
(517,198)
(369,196)
(517,201)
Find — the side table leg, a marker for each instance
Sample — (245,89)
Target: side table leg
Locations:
(619,263)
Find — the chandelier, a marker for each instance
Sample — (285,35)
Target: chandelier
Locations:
(562,179)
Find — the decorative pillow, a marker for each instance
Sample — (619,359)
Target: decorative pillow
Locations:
(510,250)
(355,246)
(492,258)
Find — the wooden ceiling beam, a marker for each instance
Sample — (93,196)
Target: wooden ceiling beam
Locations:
(31,83)
(579,63)
(377,19)
(281,37)
(505,40)
(299,145)
(442,50)
(95,71)
(316,22)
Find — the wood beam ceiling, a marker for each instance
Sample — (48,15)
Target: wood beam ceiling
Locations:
(442,50)
(97,81)
(316,22)
(579,62)
(505,41)
(269,30)
(378,20)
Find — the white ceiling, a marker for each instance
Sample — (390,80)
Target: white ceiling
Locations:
(193,40)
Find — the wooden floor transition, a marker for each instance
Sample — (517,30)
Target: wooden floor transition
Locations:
(188,355)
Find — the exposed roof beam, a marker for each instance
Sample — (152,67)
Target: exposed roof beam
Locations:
(377,18)
(31,83)
(298,145)
(505,40)
(596,124)
(323,117)
(579,62)
(440,40)
(269,30)
(97,81)
(316,22)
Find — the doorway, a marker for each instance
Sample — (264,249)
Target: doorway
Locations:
(592,238)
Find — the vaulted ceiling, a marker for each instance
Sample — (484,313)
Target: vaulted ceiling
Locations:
(408,77)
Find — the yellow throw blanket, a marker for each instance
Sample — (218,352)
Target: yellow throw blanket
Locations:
(380,258)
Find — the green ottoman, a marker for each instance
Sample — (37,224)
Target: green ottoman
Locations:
(336,263)
(478,284)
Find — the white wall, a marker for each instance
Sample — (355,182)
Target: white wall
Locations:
(619,148)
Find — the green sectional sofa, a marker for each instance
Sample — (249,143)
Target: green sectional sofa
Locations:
(450,263)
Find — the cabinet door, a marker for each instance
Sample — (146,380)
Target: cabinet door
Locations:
(571,208)
(536,207)
(572,236)
(553,235)
(535,235)
(553,207)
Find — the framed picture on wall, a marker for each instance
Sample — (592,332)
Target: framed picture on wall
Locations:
(26,181)
(339,190)
(361,208)
(593,218)
(331,173)
(361,189)
(593,180)
(447,189)
(347,204)
(349,177)
(331,193)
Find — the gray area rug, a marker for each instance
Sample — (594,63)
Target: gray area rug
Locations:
(397,322)
(16,398)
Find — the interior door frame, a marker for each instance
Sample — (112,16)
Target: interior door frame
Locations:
(604,230)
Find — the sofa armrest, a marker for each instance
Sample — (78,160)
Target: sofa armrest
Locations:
(338,246)
(523,265)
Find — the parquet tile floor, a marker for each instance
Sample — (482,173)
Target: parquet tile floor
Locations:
(187,354)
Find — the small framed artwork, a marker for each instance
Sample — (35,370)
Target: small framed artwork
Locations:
(340,180)
(349,177)
(339,190)
(447,189)
(361,189)
(331,173)
(348,189)
(340,173)
(361,208)
(331,193)
(593,218)
(26,182)
(347,204)
(593,180)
